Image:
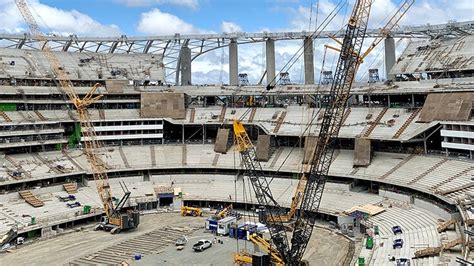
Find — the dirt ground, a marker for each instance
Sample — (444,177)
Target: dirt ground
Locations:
(325,248)
(65,248)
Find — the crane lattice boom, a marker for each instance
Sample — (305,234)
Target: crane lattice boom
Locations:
(92,145)
(322,157)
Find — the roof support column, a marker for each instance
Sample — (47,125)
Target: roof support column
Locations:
(270,61)
(389,44)
(185,65)
(233,63)
(308,61)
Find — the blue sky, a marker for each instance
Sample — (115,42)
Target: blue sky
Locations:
(250,15)
(145,17)
(167,17)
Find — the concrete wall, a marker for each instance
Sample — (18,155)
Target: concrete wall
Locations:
(362,152)
(447,107)
(394,195)
(222,138)
(162,105)
(433,208)
(263,148)
(115,86)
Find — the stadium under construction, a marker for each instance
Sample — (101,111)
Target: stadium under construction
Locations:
(111,134)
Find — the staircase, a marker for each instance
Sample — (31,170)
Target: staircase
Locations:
(28,196)
(101,114)
(372,126)
(406,124)
(346,115)
(222,115)
(280,120)
(465,171)
(152,156)
(184,154)
(277,155)
(46,162)
(216,158)
(40,116)
(76,164)
(17,165)
(452,244)
(124,158)
(431,169)
(193,115)
(443,226)
(5,116)
(252,114)
(70,188)
(400,164)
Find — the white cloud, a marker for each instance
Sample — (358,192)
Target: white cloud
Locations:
(228,27)
(54,20)
(186,3)
(161,23)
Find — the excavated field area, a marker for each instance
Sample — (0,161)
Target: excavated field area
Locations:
(154,240)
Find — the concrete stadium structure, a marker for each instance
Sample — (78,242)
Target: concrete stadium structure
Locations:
(418,164)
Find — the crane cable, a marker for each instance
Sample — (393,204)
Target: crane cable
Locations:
(298,53)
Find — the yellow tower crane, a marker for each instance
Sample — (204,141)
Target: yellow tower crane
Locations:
(116,217)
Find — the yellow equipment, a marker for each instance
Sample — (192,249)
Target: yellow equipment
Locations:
(244,257)
(191,211)
(223,212)
(116,218)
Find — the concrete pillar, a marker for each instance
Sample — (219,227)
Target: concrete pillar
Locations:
(185,66)
(308,61)
(233,63)
(389,56)
(270,60)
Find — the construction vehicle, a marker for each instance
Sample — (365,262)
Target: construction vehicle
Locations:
(73,205)
(222,213)
(66,198)
(246,258)
(10,238)
(191,211)
(116,218)
(322,156)
(384,32)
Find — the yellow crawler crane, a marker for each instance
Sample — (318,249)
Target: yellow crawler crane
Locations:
(116,217)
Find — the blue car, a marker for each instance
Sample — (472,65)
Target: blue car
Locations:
(397,230)
(397,243)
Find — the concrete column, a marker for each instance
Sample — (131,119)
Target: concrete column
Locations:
(270,60)
(308,61)
(185,66)
(389,56)
(233,63)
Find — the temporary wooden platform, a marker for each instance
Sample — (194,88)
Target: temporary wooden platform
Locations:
(28,196)
(71,188)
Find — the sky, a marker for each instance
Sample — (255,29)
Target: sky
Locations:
(167,17)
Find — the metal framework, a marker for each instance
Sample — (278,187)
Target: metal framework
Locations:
(91,143)
(322,157)
(170,46)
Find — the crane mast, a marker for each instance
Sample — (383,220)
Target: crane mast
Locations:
(346,68)
(91,143)
(322,157)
